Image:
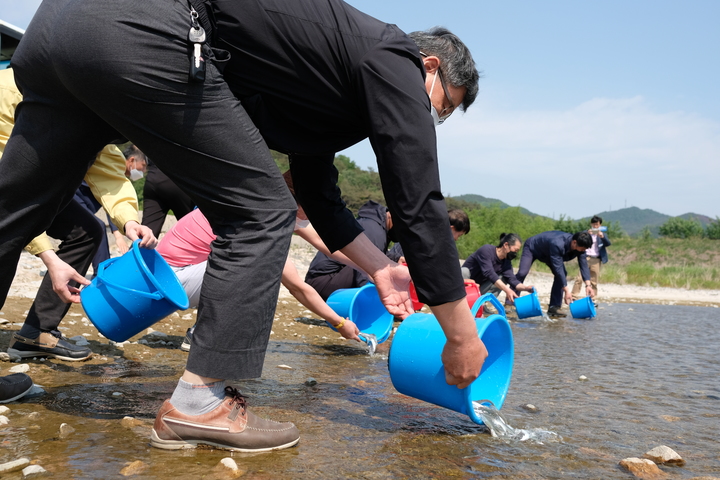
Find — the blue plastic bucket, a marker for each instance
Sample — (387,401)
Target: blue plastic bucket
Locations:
(416,369)
(528,305)
(131,293)
(363,306)
(583,308)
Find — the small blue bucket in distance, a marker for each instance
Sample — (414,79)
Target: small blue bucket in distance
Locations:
(583,308)
(131,293)
(363,306)
(416,368)
(528,305)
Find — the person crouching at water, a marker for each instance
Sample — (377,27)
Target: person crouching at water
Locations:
(186,247)
(490,267)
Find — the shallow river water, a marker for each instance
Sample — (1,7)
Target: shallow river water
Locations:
(636,377)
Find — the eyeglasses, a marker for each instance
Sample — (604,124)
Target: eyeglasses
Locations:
(447,111)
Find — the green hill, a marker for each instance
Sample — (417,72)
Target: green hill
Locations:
(703,219)
(488,202)
(634,219)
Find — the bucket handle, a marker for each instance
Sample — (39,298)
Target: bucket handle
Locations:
(488,297)
(101,279)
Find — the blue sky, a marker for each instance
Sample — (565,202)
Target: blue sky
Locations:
(583,107)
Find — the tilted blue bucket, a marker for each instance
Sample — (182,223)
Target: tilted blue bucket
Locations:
(363,306)
(131,293)
(528,305)
(416,367)
(583,308)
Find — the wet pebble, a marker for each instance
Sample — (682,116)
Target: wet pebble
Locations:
(530,408)
(228,468)
(129,422)
(3,321)
(22,368)
(65,430)
(33,415)
(4,410)
(664,455)
(187,316)
(117,394)
(79,340)
(582,377)
(310,382)
(4,420)
(33,470)
(642,468)
(285,367)
(138,466)
(14,466)
(4,357)
(36,390)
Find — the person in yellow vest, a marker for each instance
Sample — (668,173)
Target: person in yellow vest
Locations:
(80,235)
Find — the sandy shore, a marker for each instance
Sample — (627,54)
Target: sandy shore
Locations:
(28,278)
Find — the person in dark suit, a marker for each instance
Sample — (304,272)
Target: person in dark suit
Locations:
(206,89)
(554,249)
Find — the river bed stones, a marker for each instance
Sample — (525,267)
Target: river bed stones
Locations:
(664,455)
(642,468)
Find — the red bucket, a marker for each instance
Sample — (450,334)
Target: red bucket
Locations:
(472,290)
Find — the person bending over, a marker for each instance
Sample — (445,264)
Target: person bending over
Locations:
(305,77)
(490,267)
(554,249)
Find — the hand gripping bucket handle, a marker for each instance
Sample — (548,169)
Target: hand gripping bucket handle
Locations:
(102,279)
(416,368)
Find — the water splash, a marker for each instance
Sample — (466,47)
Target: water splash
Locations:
(498,427)
(371,341)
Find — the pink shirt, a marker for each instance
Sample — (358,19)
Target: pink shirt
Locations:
(188,241)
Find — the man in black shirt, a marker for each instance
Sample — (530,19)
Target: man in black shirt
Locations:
(305,77)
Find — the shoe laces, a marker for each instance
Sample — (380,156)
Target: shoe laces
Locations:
(238,399)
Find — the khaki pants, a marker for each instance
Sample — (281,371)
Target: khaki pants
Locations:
(594,266)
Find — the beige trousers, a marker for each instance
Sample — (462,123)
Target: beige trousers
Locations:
(594,266)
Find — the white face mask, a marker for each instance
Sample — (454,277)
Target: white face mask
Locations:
(301,223)
(433,110)
(135,175)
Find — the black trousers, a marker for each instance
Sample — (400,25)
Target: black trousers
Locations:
(346,277)
(556,292)
(81,235)
(85,197)
(160,195)
(91,72)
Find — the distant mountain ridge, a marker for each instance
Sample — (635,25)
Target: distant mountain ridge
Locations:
(489,202)
(632,219)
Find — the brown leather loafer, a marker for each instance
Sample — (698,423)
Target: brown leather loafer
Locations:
(230,426)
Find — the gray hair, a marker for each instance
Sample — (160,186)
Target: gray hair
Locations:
(458,66)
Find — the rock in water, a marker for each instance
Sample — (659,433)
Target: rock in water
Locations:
(134,468)
(664,455)
(642,468)
(14,466)
(66,430)
(33,470)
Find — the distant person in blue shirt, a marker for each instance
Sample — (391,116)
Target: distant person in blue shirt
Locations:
(554,249)
(596,256)
(491,268)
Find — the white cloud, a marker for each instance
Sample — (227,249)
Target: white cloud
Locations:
(587,159)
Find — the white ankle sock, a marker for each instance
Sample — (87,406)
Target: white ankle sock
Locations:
(197,399)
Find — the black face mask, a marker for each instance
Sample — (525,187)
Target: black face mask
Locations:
(511,255)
